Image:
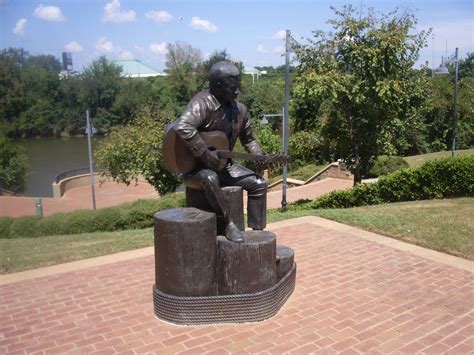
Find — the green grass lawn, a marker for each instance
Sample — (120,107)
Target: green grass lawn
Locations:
(443,225)
(29,253)
(417,160)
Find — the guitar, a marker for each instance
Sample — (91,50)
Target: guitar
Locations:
(178,159)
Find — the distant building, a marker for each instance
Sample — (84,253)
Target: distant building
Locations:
(136,69)
(254,72)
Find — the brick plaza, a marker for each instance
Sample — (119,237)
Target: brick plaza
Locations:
(356,292)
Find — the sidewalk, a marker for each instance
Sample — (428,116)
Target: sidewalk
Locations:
(112,193)
(356,292)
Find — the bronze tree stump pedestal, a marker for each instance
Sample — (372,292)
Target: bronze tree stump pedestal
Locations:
(203,278)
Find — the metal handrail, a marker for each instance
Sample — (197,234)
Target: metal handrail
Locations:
(69,173)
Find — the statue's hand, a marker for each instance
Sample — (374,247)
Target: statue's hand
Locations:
(210,160)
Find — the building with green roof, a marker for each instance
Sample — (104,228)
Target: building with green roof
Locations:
(136,69)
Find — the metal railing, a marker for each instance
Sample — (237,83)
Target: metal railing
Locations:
(69,173)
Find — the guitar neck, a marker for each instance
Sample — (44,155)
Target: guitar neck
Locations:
(227,154)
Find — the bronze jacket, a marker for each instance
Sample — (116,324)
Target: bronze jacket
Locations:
(203,113)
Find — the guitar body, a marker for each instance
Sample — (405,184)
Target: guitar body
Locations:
(178,159)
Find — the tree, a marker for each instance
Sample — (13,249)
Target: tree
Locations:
(136,149)
(100,87)
(13,166)
(28,93)
(358,88)
(182,61)
(205,67)
(263,97)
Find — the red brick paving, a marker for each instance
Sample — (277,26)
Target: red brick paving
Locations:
(352,296)
(107,194)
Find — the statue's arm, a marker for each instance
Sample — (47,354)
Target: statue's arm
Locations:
(188,124)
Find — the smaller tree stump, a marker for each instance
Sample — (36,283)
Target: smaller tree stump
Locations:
(246,267)
(234,195)
(285,260)
(185,252)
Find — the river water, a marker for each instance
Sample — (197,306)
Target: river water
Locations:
(48,157)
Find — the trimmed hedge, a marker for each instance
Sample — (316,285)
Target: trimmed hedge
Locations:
(447,177)
(134,215)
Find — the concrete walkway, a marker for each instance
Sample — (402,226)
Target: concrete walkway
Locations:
(112,193)
(356,292)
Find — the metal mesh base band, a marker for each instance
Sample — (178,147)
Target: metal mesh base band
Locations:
(252,307)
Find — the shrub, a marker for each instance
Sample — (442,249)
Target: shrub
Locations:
(385,165)
(25,227)
(13,165)
(5,224)
(134,215)
(447,177)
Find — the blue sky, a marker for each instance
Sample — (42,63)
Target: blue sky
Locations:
(248,29)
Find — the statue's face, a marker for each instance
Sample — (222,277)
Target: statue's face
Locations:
(229,88)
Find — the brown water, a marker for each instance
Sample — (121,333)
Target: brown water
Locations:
(50,156)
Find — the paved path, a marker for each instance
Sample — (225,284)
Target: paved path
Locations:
(112,193)
(107,194)
(356,292)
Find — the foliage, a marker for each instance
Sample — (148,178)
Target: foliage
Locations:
(28,93)
(134,215)
(466,66)
(182,61)
(135,150)
(385,165)
(439,118)
(13,166)
(304,148)
(100,87)
(358,88)
(263,97)
(447,177)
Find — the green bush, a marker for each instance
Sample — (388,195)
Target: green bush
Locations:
(385,165)
(5,224)
(447,177)
(25,227)
(134,215)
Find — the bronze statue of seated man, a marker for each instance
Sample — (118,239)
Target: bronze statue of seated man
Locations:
(218,110)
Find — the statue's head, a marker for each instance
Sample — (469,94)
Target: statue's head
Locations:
(224,81)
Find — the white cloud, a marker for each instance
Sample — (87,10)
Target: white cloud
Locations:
(261,49)
(112,13)
(104,46)
(49,13)
(19,29)
(203,25)
(73,47)
(159,16)
(126,55)
(280,35)
(158,48)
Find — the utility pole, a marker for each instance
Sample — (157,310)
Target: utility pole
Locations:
(455,111)
(285,116)
(90,132)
